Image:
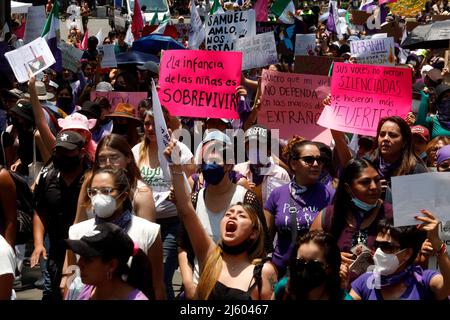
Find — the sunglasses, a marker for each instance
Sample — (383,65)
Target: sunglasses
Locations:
(386,247)
(309,160)
(444,166)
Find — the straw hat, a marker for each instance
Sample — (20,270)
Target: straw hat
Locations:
(41,92)
(125,110)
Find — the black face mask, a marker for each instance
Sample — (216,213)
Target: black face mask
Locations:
(120,88)
(306,275)
(66,164)
(120,128)
(246,245)
(64,103)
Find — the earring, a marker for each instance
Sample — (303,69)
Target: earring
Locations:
(109,275)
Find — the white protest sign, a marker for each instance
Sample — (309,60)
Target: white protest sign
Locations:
(108,56)
(71,56)
(33,58)
(258,51)
(374,51)
(223,29)
(305,44)
(379,35)
(36,18)
(414,192)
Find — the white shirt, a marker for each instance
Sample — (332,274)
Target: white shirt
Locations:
(7,260)
(160,185)
(211,220)
(143,232)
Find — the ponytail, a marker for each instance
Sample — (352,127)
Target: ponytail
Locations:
(140,274)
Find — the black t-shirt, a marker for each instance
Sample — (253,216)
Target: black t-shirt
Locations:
(57,203)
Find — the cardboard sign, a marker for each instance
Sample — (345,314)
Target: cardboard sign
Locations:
(359,17)
(363,94)
(284,36)
(374,51)
(258,51)
(420,191)
(223,29)
(70,56)
(32,58)
(318,65)
(36,18)
(292,103)
(196,83)
(305,44)
(115,98)
(393,30)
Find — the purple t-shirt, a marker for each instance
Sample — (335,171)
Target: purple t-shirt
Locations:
(416,291)
(314,199)
(86,293)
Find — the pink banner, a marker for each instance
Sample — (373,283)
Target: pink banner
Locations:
(196,83)
(292,103)
(115,98)
(363,94)
(380,2)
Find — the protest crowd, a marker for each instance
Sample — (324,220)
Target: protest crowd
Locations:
(266,150)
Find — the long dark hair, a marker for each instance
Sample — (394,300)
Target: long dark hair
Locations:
(119,143)
(139,274)
(121,183)
(408,158)
(342,198)
(332,255)
(407,237)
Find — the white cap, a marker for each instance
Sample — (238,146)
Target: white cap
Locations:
(104,86)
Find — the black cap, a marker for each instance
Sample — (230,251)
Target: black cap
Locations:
(258,131)
(106,240)
(24,109)
(440,90)
(69,140)
(91,110)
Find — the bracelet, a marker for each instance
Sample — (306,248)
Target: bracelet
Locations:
(442,249)
(179,173)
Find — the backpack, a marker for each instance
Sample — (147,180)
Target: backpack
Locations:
(25,208)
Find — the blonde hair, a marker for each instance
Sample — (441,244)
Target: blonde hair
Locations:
(213,265)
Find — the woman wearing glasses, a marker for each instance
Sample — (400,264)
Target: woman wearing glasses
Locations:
(291,208)
(114,151)
(313,270)
(356,211)
(109,192)
(395,277)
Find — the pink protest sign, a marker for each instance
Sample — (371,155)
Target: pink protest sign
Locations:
(196,83)
(363,94)
(292,103)
(115,98)
(386,1)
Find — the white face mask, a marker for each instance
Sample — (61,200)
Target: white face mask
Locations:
(103,205)
(385,263)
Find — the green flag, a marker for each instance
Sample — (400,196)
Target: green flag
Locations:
(279,6)
(347,18)
(154,20)
(216,5)
(48,22)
